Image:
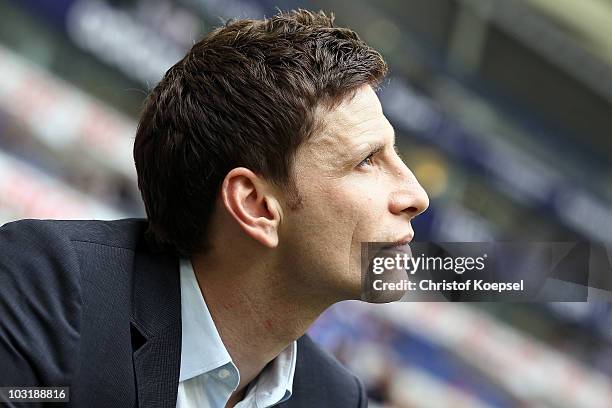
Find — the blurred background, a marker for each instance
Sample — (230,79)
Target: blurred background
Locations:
(502,108)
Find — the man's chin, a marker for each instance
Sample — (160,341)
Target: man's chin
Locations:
(383,279)
(385,288)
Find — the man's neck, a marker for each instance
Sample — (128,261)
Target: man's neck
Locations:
(256,314)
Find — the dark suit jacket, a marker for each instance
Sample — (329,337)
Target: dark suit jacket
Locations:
(87,304)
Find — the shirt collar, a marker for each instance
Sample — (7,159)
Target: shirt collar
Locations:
(203,350)
(275,383)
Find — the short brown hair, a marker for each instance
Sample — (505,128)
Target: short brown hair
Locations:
(245,95)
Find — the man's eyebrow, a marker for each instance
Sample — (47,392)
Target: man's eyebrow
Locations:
(366,148)
(376,148)
(373,146)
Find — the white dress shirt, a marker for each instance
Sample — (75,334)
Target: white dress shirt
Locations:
(208,375)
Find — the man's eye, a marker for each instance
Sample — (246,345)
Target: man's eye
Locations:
(367,161)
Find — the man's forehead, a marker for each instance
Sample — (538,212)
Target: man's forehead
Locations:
(352,120)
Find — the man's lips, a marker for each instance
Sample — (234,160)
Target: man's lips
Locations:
(400,242)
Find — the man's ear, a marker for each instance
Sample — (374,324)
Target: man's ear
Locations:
(249,200)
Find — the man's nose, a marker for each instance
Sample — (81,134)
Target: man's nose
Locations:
(410,197)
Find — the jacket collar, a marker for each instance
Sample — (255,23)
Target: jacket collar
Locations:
(156,327)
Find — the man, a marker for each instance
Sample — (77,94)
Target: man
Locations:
(264,161)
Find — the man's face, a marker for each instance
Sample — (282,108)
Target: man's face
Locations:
(354,188)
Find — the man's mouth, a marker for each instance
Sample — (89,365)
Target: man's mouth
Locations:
(402,242)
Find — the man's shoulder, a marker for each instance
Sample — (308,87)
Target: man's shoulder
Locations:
(122,233)
(44,258)
(320,377)
(64,289)
(34,253)
(43,297)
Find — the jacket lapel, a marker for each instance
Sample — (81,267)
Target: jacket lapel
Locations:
(156,328)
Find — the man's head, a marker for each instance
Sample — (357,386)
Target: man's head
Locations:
(262,130)
(245,95)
